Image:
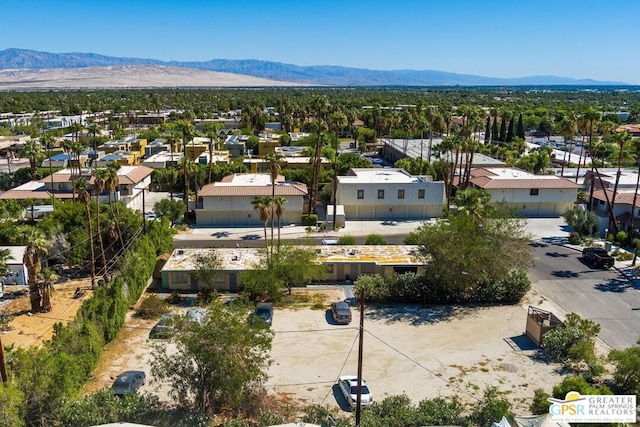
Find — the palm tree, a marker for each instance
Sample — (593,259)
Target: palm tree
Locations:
(568,131)
(47,278)
(100,176)
(75,129)
(621,139)
(212,133)
(36,244)
(187,130)
(261,205)
(5,256)
(321,107)
(85,198)
(111,185)
(31,150)
(94,129)
(48,142)
(172,139)
(475,204)
(275,166)
(588,119)
(280,211)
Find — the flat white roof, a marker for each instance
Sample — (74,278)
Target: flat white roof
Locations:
(248,179)
(379,175)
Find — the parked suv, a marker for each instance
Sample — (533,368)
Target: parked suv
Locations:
(598,257)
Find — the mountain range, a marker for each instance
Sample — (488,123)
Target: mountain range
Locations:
(20,68)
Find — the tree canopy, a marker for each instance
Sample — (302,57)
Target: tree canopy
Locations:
(219,364)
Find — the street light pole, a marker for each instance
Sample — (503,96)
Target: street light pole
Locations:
(360,347)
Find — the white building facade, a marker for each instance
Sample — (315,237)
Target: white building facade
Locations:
(389,194)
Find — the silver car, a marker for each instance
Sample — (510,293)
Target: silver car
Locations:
(348,384)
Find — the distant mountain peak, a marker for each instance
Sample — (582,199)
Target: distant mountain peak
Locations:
(14,58)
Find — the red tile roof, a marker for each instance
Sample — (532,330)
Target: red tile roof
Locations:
(289,189)
(624,198)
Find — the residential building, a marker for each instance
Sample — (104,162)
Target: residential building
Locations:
(389,194)
(163,159)
(156,146)
(132,181)
(229,202)
(527,194)
(344,263)
(626,196)
(236,145)
(347,263)
(124,158)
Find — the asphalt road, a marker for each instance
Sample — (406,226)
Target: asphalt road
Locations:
(604,296)
(218,239)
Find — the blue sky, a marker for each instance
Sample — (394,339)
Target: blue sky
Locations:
(571,38)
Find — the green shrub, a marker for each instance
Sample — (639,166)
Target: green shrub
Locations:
(346,240)
(309,219)
(622,238)
(509,290)
(574,238)
(375,239)
(152,307)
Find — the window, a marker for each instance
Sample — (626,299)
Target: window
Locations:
(533,192)
(400,194)
(330,269)
(180,277)
(360,194)
(367,269)
(380,194)
(421,194)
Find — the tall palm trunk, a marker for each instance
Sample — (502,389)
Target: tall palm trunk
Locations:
(91,251)
(33,266)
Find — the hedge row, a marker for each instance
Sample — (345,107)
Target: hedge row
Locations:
(412,288)
(51,375)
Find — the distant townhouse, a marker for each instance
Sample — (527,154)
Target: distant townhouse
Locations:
(527,194)
(236,145)
(229,202)
(389,194)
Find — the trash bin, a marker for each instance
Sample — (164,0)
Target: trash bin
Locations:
(607,246)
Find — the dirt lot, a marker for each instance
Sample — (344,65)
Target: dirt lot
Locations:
(423,352)
(27,329)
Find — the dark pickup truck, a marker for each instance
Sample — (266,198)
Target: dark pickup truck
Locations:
(598,257)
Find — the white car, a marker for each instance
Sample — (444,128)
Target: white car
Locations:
(349,386)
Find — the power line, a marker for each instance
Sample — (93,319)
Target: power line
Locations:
(422,366)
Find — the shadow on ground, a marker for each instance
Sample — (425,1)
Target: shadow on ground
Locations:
(418,315)
(617,285)
(250,237)
(521,342)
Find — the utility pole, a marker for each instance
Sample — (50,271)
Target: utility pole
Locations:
(3,369)
(360,346)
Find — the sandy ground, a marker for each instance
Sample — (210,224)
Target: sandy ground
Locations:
(129,76)
(26,328)
(423,352)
